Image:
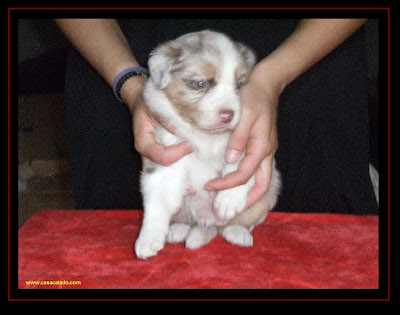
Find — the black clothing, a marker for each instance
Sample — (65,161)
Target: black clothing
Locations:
(323,119)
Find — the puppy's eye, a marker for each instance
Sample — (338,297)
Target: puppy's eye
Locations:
(201,84)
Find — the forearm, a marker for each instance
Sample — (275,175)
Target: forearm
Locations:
(311,41)
(102,43)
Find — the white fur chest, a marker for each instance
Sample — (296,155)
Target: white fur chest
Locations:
(205,162)
(194,170)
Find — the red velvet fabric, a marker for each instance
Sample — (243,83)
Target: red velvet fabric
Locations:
(290,251)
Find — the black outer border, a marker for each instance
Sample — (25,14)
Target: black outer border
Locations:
(382,13)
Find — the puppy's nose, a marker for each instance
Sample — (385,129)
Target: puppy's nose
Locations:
(226,116)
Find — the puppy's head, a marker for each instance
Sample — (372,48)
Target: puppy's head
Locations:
(201,74)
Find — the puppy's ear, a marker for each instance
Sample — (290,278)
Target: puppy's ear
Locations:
(161,62)
(247,54)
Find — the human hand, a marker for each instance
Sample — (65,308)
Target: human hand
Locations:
(144,124)
(256,135)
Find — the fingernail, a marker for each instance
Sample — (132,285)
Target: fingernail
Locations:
(232,156)
(190,147)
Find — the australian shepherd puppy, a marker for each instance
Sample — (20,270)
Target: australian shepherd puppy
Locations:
(195,84)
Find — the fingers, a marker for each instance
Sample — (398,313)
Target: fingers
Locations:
(166,155)
(262,183)
(247,167)
(144,126)
(259,147)
(237,142)
(165,123)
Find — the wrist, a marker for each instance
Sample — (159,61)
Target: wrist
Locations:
(132,90)
(270,75)
(123,76)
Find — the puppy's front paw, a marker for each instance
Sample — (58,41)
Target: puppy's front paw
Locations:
(230,202)
(200,236)
(178,232)
(149,244)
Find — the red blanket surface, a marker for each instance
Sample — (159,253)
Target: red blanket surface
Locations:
(95,248)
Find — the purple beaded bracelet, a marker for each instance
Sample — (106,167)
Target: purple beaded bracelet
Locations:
(124,75)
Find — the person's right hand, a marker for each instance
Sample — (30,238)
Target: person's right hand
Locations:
(144,127)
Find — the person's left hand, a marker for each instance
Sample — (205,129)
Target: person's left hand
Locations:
(256,135)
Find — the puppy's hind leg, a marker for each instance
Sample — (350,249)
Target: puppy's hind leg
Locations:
(178,232)
(237,235)
(200,236)
(238,229)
